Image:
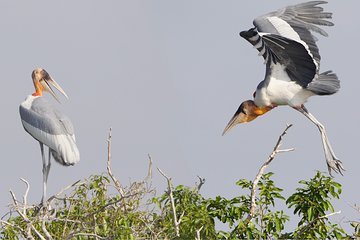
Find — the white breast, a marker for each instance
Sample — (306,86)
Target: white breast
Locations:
(281,90)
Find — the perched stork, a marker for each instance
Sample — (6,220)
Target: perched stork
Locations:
(284,39)
(48,125)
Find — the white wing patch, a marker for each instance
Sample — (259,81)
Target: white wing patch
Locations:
(287,31)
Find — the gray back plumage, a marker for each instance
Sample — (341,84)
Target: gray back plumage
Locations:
(43,115)
(50,127)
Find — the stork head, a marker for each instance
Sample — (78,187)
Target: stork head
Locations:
(247,112)
(43,82)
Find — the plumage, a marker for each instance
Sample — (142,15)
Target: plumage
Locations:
(285,40)
(51,127)
(48,125)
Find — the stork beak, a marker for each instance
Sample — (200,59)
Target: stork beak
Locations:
(247,112)
(239,117)
(48,82)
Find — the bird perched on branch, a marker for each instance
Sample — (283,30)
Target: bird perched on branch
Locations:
(284,39)
(48,126)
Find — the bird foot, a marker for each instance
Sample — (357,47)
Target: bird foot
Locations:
(336,165)
(43,208)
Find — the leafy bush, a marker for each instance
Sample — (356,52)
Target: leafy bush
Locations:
(91,210)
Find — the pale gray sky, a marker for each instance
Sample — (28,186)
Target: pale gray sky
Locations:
(167,76)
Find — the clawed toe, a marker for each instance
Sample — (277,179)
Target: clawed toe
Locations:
(336,165)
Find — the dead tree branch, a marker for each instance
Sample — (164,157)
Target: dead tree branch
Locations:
(25,194)
(116,182)
(57,195)
(176,221)
(303,229)
(198,235)
(43,227)
(149,175)
(23,215)
(271,157)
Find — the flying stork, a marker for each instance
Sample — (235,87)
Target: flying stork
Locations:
(284,39)
(48,126)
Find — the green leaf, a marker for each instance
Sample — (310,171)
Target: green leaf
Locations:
(310,214)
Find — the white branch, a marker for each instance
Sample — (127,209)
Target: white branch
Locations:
(170,194)
(25,194)
(271,157)
(149,175)
(43,227)
(198,236)
(25,218)
(303,229)
(116,182)
(57,195)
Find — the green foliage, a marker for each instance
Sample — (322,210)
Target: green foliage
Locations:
(265,222)
(192,210)
(312,203)
(91,210)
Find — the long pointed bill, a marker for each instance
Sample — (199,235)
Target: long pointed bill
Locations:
(247,112)
(48,82)
(236,119)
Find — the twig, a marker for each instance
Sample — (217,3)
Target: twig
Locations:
(25,194)
(109,204)
(17,227)
(170,194)
(116,182)
(303,229)
(356,208)
(43,227)
(57,195)
(24,217)
(271,157)
(149,175)
(198,236)
(85,234)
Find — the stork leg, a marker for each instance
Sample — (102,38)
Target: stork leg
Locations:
(332,161)
(45,170)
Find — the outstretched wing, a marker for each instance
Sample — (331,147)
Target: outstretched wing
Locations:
(296,23)
(285,37)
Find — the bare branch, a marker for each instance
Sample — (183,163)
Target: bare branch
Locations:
(116,182)
(355,207)
(172,201)
(121,199)
(18,228)
(25,218)
(25,194)
(303,229)
(85,235)
(198,237)
(57,195)
(271,157)
(43,227)
(149,175)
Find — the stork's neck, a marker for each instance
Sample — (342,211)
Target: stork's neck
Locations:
(261,110)
(38,89)
(37,94)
